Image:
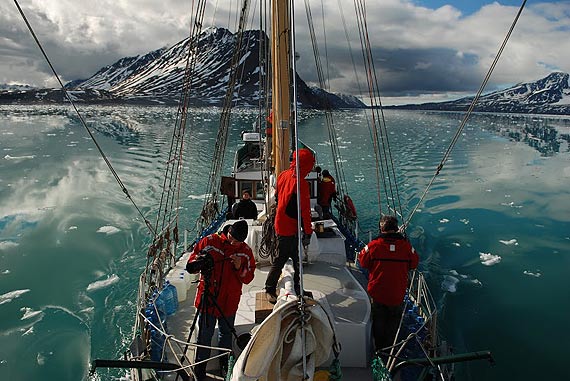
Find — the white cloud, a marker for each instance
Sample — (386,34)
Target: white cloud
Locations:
(417,50)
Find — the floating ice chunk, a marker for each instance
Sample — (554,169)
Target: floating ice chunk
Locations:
(108,230)
(103,283)
(19,158)
(4,245)
(449,283)
(456,244)
(509,242)
(489,259)
(536,274)
(444,221)
(197,197)
(476,282)
(40,359)
(464,220)
(29,313)
(9,296)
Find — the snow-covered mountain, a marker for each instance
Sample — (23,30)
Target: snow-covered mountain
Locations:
(6,87)
(549,95)
(156,77)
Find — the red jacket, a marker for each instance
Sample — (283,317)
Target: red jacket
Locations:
(388,259)
(225,281)
(286,190)
(327,188)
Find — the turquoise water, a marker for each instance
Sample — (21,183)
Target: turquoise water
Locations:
(493,233)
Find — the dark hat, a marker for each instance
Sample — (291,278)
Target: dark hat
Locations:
(326,173)
(239,230)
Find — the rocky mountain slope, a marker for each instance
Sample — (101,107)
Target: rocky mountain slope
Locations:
(156,77)
(549,95)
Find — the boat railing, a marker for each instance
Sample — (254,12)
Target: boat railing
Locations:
(417,334)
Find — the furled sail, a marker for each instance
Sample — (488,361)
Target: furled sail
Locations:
(275,351)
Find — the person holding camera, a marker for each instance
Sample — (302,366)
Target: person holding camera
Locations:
(388,258)
(225,262)
(286,220)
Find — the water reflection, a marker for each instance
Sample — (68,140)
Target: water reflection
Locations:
(548,136)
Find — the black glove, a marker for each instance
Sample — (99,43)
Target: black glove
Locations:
(306,239)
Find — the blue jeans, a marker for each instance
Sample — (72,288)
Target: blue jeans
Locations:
(206,325)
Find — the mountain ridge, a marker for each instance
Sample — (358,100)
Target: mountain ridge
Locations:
(548,95)
(155,78)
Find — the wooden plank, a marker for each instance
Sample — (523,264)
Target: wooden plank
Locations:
(262,307)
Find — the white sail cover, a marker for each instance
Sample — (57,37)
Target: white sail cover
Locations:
(275,351)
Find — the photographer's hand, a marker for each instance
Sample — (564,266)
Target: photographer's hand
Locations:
(236,260)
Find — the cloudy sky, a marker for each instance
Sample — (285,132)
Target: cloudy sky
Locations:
(424,50)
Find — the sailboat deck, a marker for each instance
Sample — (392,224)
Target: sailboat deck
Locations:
(331,282)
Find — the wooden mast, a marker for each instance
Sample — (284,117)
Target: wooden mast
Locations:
(281,98)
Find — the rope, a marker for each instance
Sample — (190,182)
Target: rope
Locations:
(385,170)
(359,86)
(80,116)
(231,363)
(335,371)
(333,138)
(379,371)
(214,179)
(469,112)
(268,246)
(173,173)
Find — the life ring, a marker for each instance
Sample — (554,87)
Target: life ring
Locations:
(351,209)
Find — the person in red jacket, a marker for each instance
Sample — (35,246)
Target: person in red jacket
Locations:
(286,219)
(225,263)
(327,191)
(388,258)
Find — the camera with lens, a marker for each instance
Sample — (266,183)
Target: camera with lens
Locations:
(203,263)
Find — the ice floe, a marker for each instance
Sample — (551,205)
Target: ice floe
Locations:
(103,283)
(4,245)
(108,230)
(489,259)
(536,274)
(9,296)
(197,197)
(19,158)
(449,283)
(509,242)
(29,313)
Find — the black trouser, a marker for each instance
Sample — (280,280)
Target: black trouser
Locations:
(286,248)
(385,322)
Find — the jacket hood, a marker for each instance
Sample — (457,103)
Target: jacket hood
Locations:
(306,161)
